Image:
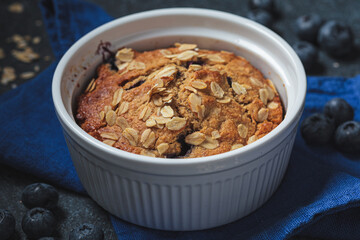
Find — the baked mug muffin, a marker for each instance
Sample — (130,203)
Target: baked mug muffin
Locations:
(178,102)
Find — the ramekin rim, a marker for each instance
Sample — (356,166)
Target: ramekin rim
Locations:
(71,124)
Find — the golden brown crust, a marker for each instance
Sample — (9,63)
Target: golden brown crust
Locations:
(179,102)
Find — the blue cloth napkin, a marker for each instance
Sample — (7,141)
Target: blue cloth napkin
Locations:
(318,197)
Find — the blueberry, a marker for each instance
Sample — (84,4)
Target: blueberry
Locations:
(267,5)
(47,238)
(336,38)
(307,27)
(87,231)
(261,16)
(317,129)
(7,224)
(339,110)
(347,137)
(38,222)
(40,195)
(229,81)
(307,53)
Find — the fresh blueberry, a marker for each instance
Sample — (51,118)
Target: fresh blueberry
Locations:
(7,224)
(307,53)
(307,27)
(267,5)
(347,137)
(40,195)
(317,129)
(38,222)
(47,238)
(87,231)
(339,110)
(336,38)
(261,16)
(229,80)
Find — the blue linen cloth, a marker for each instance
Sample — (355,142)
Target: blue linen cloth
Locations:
(318,197)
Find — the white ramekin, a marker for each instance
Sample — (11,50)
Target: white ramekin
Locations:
(182,194)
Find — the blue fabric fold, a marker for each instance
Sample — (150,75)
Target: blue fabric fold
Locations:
(67,21)
(318,197)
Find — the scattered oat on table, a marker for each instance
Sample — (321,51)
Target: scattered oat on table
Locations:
(8,75)
(23,52)
(36,68)
(19,40)
(16,7)
(27,55)
(27,75)
(36,40)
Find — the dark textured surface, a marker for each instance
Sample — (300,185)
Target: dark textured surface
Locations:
(74,208)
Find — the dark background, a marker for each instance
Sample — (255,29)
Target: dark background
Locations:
(75,208)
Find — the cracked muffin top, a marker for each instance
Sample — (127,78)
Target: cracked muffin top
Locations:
(178,102)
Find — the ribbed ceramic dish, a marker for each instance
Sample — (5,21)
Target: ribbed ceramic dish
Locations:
(182,194)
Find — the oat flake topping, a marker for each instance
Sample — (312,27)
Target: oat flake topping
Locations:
(181,101)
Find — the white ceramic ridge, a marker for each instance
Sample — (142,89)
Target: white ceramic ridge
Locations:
(182,194)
